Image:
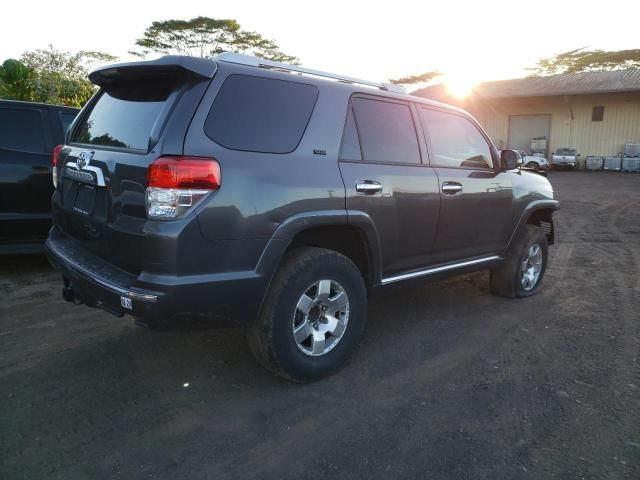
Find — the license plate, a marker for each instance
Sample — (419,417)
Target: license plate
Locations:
(126,302)
(82,176)
(85,199)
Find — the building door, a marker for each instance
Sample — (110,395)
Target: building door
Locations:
(523,128)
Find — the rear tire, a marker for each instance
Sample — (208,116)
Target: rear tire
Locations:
(522,272)
(313,316)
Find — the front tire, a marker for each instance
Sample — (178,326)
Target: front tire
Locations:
(313,316)
(522,272)
(533,165)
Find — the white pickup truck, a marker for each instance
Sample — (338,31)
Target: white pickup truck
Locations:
(565,157)
(533,161)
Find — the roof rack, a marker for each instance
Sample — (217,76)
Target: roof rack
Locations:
(262,63)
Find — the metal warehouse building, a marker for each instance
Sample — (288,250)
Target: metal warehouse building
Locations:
(594,112)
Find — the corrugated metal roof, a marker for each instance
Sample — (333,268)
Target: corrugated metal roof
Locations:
(564,84)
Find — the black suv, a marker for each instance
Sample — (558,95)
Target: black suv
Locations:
(29,133)
(243,191)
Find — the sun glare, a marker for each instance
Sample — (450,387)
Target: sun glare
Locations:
(459,85)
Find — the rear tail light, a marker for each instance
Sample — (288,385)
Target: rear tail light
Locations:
(54,167)
(175,184)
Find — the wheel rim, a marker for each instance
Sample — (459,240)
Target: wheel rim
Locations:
(321,317)
(533,165)
(531,267)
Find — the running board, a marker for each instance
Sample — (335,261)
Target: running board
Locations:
(443,268)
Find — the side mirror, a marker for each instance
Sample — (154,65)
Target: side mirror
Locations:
(509,159)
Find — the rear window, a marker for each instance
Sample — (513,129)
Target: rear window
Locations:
(125,114)
(66,119)
(21,130)
(258,114)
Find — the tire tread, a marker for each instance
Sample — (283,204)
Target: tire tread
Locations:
(260,333)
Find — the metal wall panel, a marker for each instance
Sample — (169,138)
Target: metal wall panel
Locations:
(571,124)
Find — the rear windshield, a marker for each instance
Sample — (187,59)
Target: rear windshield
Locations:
(125,114)
(566,151)
(259,114)
(66,119)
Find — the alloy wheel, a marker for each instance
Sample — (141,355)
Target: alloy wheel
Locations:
(531,267)
(321,317)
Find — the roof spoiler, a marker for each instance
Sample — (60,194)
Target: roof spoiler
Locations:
(170,64)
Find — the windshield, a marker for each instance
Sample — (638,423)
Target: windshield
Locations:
(566,151)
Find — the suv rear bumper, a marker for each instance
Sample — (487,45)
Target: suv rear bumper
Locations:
(224,298)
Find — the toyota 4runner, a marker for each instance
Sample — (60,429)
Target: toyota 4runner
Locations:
(242,191)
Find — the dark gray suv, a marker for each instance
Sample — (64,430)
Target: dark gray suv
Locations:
(242,191)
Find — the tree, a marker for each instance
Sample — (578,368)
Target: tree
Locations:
(50,76)
(413,79)
(205,37)
(66,64)
(16,80)
(581,60)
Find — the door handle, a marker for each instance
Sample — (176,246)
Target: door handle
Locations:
(368,187)
(451,188)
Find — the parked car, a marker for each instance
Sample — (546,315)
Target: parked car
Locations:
(28,135)
(534,162)
(237,190)
(565,157)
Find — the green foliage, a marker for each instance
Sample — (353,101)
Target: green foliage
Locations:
(206,37)
(50,76)
(66,64)
(16,80)
(413,79)
(581,60)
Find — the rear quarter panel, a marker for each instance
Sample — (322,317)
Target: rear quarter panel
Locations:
(260,190)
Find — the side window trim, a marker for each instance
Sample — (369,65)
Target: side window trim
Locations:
(355,124)
(494,160)
(423,141)
(345,134)
(380,98)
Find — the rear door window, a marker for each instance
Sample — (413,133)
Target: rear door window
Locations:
(258,114)
(125,114)
(387,132)
(21,130)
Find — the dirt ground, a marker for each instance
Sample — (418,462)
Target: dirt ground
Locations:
(450,382)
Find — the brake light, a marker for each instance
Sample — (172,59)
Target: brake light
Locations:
(54,168)
(175,184)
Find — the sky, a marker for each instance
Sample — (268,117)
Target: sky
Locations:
(468,41)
